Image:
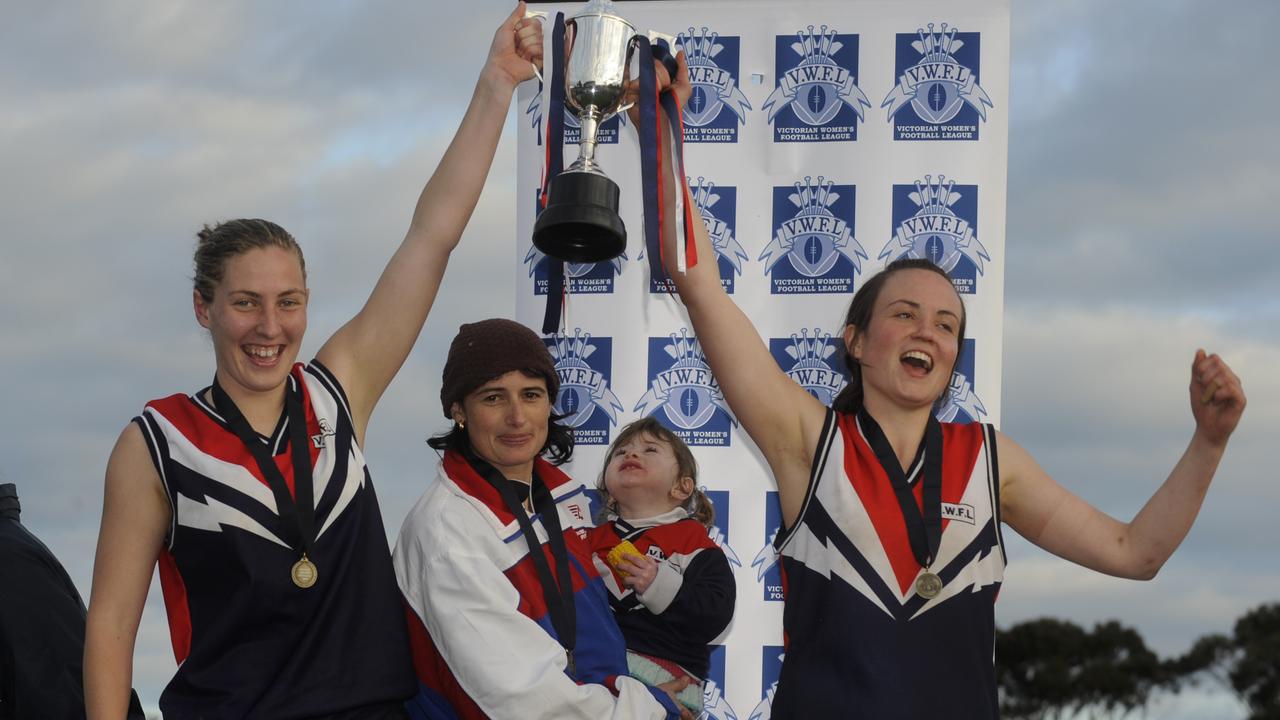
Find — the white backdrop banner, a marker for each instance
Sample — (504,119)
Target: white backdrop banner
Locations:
(823,140)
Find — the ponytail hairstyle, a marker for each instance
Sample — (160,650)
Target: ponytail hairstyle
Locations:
(849,400)
(698,504)
(216,244)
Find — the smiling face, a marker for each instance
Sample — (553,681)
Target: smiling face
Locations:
(643,477)
(256,318)
(908,350)
(506,422)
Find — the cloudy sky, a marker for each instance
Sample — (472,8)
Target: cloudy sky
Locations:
(1142,179)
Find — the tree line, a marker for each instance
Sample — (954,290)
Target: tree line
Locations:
(1048,668)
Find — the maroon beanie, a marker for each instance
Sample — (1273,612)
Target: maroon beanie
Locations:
(484,350)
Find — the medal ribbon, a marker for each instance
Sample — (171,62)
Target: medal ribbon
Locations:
(924,533)
(554,165)
(557,591)
(296,516)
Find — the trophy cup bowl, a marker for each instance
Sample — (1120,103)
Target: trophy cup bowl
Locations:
(580,223)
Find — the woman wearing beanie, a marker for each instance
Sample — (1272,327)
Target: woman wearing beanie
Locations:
(507,616)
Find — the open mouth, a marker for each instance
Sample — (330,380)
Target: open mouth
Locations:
(263,354)
(629,465)
(917,360)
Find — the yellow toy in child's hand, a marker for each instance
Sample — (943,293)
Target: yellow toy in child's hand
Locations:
(615,555)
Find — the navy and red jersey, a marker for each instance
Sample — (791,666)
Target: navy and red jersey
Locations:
(690,601)
(860,643)
(248,641)
(482,637)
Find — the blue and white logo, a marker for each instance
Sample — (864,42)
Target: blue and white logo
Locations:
(813,231)
(714,704)
(937,96)
(719,532)
(817,98)
(585,365)
(606,134)
(579,278)
(595,505)
(682,388)
(939,222)
(961,403)
(815,362)
(766,561)
(771,657)
(717,204)
(717,106)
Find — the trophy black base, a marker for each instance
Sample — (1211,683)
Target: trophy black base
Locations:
(580,223)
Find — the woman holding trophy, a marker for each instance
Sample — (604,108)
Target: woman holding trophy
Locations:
(253,493)
(891,521)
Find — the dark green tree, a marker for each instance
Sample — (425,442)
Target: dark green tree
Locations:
(1247,662)
(1047,667)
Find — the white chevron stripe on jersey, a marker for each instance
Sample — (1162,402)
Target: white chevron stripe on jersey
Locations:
(353,482)
(213,516)
(979,573)
(851,513)
(234,476)
(804,544)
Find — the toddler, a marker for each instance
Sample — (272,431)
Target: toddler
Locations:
(671,587)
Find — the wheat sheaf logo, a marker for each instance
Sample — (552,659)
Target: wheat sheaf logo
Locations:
(813,238)
(937,86)
(714,87)
(818,86)
(935,232)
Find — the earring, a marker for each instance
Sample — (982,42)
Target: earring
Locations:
(460,424)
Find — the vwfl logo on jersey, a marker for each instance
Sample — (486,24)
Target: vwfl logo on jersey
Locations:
(813,232)
(718,206)
(584,365)
(817,98)
(766,561)
(771,657)
(939,222)
(961,403)
(815,362)
(579,278)
(714,704)
(719,532)
(937,96)
(606,134)
(683,395)
(717,105)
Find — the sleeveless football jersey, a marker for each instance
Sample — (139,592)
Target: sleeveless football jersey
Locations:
(250,643)
(860,643)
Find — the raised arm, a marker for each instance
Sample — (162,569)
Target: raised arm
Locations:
(780,416)
(135,516)
(366,353)
(1050,516)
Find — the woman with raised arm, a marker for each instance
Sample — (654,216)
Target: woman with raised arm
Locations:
(253,494)
(890,540)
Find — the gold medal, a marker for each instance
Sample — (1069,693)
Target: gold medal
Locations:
(304,573)
(928,585)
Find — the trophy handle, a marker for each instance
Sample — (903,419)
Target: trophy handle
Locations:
(541,17)
(631,51)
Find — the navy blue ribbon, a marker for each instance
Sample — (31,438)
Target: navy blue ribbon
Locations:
(649,101)
(555,164)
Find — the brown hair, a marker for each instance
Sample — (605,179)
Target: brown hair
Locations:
(219,243)
(864,301)
(698,504)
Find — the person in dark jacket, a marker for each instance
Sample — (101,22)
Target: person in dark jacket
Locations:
(41,625)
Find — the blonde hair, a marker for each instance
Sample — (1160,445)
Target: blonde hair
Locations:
(698,504)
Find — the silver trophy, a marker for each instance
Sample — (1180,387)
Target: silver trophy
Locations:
(581,223)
